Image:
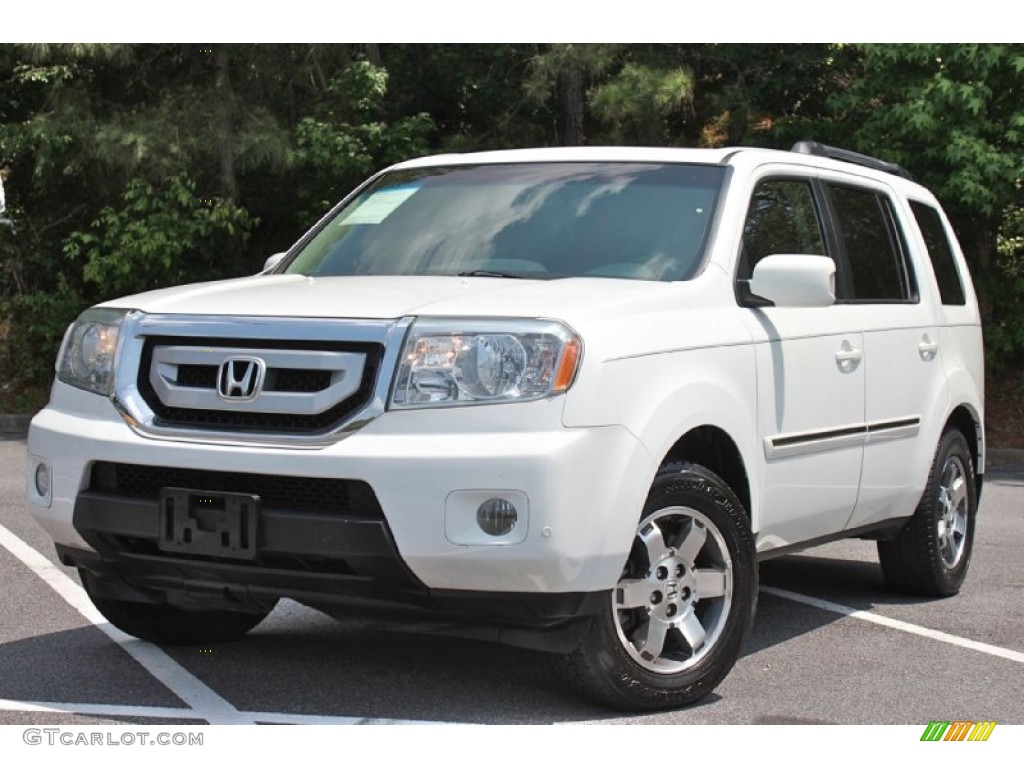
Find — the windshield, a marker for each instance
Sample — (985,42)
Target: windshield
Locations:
(536,220)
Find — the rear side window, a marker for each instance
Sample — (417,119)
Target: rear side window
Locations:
(940,252)
(782,218)
(873,245)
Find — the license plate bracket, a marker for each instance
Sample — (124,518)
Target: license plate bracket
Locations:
(209,523)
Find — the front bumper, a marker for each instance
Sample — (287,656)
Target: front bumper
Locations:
(584,490)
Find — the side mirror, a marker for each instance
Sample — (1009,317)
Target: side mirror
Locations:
(272,262)
(795,280)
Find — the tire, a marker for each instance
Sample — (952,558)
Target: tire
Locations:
(933,551)
(169,625)
(673,627)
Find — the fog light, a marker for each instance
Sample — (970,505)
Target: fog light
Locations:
(43,480)
(497,517)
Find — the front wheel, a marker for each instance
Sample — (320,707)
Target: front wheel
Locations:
(675,623)
(170,625)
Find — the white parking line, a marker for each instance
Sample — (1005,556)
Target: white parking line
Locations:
(102,710)
(207,704)
(203,702)
(902,626)
(179,713)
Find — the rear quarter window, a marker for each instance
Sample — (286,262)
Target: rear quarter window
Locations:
(940,252)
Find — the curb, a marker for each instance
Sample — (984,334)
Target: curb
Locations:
(1005,458)
(14,426)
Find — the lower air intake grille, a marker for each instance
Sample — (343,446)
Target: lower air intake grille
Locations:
(316,495)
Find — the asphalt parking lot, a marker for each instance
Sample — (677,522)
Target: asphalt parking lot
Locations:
(830,645)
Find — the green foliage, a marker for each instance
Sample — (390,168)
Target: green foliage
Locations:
(1004,293)
(475,94)
(159,236)
(361,87)
(556,62)
(348,138)
(52,75)
(1011,241)
(1004,329)
(138,166)
(34,325)
(952,114)
(639,99)
(771,94)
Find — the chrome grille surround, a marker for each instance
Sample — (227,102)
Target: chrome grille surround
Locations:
(345,369)
(163,343)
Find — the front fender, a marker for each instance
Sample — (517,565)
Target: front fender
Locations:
(661,397)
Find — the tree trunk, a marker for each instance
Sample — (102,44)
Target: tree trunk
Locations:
(373,53)
(225,116)
(225,127)
(980,250)
(570,98)
(985,247)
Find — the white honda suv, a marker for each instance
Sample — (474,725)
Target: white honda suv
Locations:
(571,396)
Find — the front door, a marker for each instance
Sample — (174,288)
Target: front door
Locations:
(810,379)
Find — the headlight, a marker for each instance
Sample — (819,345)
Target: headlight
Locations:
(462,362)
(86,357)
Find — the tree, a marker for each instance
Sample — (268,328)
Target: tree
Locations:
(565,71)
(137,166)
(952,114)
(769,94)
(637,102)
(107,139)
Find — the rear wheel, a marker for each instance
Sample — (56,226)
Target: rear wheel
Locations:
(171,625)
(675,623)
(933,551)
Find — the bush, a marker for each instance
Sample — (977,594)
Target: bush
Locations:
(34,325)
(1004,330)
(160,237)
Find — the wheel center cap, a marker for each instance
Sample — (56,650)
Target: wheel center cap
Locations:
(672,589)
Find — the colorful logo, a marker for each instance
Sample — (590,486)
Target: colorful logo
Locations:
(958,730)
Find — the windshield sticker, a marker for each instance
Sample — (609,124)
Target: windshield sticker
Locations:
(379,205)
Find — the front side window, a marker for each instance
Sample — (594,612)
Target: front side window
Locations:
(535,220)
(782,218)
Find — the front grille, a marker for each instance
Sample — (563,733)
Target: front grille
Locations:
(297,380)
(316,495)
(278,380)
(198,376)
(322,534)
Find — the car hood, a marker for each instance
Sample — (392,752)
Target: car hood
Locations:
(386,297)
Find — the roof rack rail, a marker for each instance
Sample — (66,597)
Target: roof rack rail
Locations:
(848,156)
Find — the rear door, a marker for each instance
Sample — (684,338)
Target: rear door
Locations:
(904,380)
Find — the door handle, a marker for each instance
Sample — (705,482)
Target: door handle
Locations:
(928,349)
(847,358)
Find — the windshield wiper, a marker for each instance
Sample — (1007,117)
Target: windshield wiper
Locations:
(489,273)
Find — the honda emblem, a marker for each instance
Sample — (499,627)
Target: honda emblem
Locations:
(241,378)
